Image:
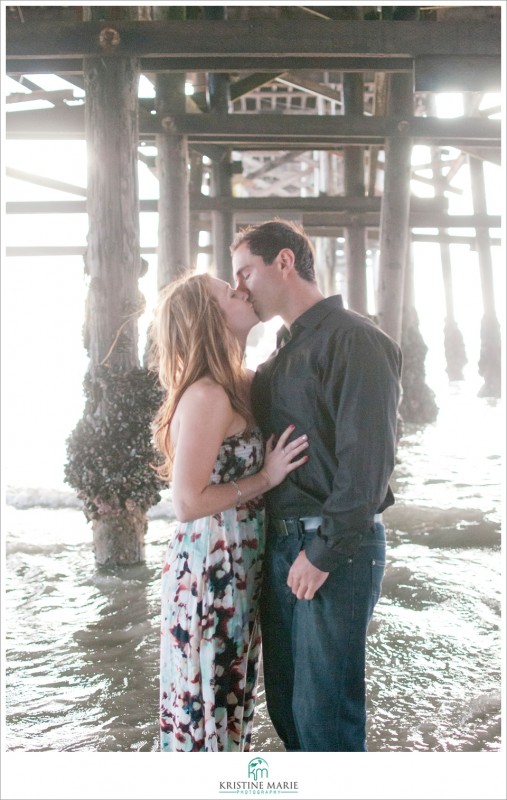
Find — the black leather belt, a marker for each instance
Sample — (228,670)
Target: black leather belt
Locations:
(294,525)
(298,525)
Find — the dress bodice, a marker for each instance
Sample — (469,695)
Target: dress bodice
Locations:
(239,455)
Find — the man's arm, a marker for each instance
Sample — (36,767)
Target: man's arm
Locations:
(361,385)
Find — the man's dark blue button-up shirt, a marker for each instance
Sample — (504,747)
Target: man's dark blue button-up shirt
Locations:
(336,377)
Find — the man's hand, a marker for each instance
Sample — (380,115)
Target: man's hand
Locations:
(304,579)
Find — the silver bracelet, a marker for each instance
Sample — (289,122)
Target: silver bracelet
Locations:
(238,490)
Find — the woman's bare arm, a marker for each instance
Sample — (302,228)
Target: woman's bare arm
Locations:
(204,419)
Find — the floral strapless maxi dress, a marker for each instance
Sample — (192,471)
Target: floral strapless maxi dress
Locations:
(210,636)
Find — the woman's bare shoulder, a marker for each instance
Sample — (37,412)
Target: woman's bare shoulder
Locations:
(205,396)
(203,401)
(205,389)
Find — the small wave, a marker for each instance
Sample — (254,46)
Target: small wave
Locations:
(29,549)
(163,510)
(403,586)
(28,497)
(485,534)
(443,527)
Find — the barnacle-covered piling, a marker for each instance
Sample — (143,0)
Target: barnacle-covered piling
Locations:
(110,457)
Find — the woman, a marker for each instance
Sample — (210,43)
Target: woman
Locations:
(214,456)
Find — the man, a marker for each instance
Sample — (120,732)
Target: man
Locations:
(336,376)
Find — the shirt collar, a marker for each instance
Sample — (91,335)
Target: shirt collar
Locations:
(310,318)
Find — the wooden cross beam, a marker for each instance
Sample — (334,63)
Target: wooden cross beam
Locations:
(323,204)
(272,40)
(443,55)
(260,131)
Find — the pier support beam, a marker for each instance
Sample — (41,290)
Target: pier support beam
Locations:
(454,345)
(396,305)
(173,174)
(109,451)
(196,178)
(418,401)
(325,246)
(172,169)
(490,357)
(222,222)
(354,180)
(394,215)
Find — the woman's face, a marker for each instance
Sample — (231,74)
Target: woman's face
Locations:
(238,310)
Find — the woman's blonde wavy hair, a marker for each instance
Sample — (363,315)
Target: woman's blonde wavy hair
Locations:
(189,340)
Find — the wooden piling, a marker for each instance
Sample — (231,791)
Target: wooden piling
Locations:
(454,346)
(354,180)
(418,402)
(222,222)
(195,186)
(109,451)
(173,175)
(397,314)
(490,355)
(113,258)
(172,169)
(221,181)
(325,246)
(394,215)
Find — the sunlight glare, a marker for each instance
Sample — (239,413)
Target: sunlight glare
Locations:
(29,105)
(146,88)
(14,87)
(449,104)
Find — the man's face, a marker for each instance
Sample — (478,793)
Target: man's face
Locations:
(261,281)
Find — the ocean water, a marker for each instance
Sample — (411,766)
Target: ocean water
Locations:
(81,642)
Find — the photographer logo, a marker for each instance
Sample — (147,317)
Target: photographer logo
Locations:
(258,768)
(258,782)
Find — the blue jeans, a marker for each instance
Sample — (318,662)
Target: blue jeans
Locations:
(314,651)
